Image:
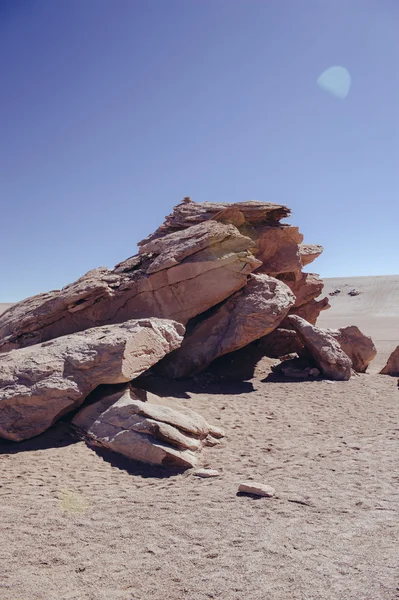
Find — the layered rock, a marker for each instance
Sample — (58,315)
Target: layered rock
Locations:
(359,347)
(178,277)
(305,286)
(188,213)
(392,366)
(309,253)
(246,316)
(278,249)
(324,349)
(41,383)
(146,428)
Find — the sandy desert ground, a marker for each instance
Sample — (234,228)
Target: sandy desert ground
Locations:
(77,525)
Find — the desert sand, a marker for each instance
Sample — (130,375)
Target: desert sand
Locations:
(75,527)
(375,310)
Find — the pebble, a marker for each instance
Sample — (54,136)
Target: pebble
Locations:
(257,489)
(206,473)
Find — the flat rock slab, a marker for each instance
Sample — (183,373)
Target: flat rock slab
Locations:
(256,489)
(206,473)
(178,277)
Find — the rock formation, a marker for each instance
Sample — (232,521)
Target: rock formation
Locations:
(181,276)
(145,428)
(193,277)
(392,366)
(324,349)
(41,383)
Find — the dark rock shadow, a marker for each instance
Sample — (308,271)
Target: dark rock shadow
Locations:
(132,467)
(280,378)
(58,436)
(205,383)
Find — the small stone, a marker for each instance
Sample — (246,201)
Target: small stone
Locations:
(206,473)
(257,489)
(216,432)
(211,441)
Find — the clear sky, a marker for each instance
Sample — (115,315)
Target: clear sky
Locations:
(111,111)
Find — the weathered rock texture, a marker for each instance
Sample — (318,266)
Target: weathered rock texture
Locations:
(392,366)
(189,213)
(324,349)
(196,269)
(246,316)
(309,253)
(145,428)
(359,347)
(178,277)
(39,384)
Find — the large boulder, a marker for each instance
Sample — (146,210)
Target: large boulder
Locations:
(178,277)
(359,347)
(243,318)
(392,366)
(324,349)
(41,383)
(145,428)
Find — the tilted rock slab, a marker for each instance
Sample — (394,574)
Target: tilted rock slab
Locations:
(178,277)
(392,366)
(359,347)
(41,383)
(243,318)
(144,427)
(324,348)
(188,213)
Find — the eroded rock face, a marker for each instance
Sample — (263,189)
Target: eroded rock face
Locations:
(178,277)
(145,428)
(243,318)
(41,383)
(278,249)
(309,311)
(324,349)
(309,253)
(305,286)
(359,347)
(392,366)
(190,213)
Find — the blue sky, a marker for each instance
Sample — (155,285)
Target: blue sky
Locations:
(113,110)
